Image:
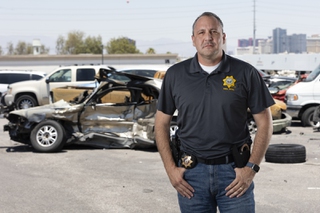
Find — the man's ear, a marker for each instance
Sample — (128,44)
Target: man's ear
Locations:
(192,38)
(224,37)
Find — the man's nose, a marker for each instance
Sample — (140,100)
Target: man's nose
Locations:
(208,36)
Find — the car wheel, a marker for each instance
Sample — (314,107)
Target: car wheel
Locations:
(48,136)
(307,117)
(286,153)
(25,102)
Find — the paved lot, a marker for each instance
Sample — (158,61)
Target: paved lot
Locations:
(83,179)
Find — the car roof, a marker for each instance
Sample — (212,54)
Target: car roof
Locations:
(24,71)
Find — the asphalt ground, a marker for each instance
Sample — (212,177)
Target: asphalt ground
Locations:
(84,179)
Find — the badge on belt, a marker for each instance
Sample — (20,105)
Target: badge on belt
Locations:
(188,161)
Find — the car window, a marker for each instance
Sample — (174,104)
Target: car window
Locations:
(36,77)
(85,74)
(116,97)
(118,77)
(313,74)
(4,78)
(9,78)
(63,75)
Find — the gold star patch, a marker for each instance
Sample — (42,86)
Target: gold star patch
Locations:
(186,161)
(229,82)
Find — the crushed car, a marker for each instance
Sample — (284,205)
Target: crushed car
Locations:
(114,114)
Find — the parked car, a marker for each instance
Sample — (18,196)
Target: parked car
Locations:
(28,94)
(280,119)
(114,115)
(278,86)
(303,98)
(12,76)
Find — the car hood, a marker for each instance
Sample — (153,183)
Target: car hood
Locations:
(60,109)
(301,87)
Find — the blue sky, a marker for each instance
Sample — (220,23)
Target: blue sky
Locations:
(151,21)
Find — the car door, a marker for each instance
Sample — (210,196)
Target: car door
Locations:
(110,115)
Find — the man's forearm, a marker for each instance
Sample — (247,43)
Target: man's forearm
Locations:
(162,126)
(262,137)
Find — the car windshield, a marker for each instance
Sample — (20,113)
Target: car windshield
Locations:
(281,84)
(313,74)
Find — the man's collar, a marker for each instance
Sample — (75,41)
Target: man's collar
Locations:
(223,67)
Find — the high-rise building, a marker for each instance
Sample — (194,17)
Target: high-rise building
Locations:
(280,41)
(297,43)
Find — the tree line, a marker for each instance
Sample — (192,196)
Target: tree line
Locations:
(77,43)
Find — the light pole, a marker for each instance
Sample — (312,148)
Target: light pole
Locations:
(102,53)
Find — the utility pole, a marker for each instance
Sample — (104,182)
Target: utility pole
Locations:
(254,27)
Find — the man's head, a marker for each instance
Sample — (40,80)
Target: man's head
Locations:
(208,14)
(208,38)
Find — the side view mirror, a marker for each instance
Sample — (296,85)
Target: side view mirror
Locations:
(273,90)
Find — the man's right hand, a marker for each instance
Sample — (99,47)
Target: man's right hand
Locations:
(178,182)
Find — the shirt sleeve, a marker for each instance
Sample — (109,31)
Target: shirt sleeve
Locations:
(166,99)
(259,95)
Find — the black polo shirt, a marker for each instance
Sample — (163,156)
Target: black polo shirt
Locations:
(212,108)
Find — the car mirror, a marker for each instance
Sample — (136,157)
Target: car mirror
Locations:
(273,90)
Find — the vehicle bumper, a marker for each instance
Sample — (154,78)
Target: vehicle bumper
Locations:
(8,99)
(293,111)
(4,108)
(281,124)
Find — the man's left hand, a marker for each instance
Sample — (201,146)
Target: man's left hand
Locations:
(239,186)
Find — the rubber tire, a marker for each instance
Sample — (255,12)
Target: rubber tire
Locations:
(307,117)
(286,153)
(54,127)
(28,99)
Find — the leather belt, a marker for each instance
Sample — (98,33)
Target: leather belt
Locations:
(222,160)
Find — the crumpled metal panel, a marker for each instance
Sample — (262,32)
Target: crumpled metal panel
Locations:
(121,126)
(60,110)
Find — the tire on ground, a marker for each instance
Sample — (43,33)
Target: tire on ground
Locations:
(25,102)
(286,153)
(307,117)
(48,136)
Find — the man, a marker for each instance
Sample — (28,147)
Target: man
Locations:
(212,93)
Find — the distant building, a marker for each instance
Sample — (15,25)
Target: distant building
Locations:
(297,43)
(313,44)
(265,46)
(247,50)
(280,40)
(247,42)
(280,43)
(36,45)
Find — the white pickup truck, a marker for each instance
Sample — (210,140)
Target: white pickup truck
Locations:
(304,97)
(28,94)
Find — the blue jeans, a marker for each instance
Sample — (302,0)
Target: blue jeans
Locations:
(209,183)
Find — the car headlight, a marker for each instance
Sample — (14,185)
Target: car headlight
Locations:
(292,97)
